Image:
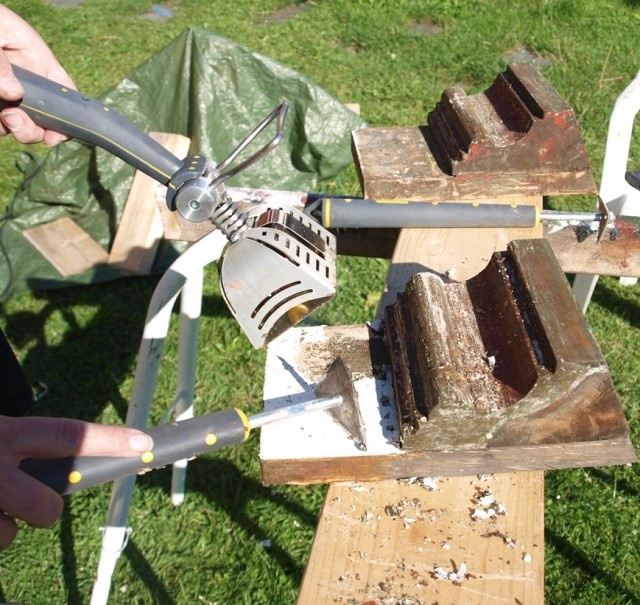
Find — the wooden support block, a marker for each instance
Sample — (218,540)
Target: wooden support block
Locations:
(69,248)
(384,542)
(140,229)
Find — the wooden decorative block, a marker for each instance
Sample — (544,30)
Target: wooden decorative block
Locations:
(519,137)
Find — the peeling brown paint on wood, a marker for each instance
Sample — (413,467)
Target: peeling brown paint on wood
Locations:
(517,137)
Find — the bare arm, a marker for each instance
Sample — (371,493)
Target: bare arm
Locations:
(21,45)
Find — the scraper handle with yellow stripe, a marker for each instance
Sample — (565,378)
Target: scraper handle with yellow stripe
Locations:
(171,442)
(346,213)
(69,112)
(178,441)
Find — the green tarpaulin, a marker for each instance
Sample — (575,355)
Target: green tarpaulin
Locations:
(202,86)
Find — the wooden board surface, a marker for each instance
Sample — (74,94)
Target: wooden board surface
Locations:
(392,542)
(140,229)
(69,248)
(617,253)
(374,551)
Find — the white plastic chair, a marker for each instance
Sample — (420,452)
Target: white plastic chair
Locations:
(184,278)
(615,191)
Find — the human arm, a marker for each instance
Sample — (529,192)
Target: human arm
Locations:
(25,498)
(21,45)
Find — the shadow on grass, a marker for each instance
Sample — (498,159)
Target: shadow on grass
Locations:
(577,558)
(231,493)
(608,297)
(84,362)
(144,569)
(83,368)
(620,485)
(84,365)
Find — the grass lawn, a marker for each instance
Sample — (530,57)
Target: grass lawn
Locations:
(394,57)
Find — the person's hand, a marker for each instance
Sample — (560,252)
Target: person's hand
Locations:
(22,496)
(21,45)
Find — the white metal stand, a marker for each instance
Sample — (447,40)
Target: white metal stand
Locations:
(185,277)
(615,191)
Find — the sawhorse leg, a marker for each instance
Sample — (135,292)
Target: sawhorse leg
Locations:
(187,272)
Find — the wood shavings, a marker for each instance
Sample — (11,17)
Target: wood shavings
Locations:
(407,511)
(429,483)
(388,591)
(366,517)
(489,508)
(456,575)
(508,540)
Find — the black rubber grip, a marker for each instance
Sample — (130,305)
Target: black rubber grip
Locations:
(399,214)
(76,115)
(171,442)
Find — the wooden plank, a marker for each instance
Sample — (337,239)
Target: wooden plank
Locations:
(69,248)
(140,229)
(617,253)
(384,542)
(382,547)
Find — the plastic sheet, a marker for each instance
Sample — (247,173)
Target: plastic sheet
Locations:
(200,85)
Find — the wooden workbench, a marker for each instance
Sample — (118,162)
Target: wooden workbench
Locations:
(467,540)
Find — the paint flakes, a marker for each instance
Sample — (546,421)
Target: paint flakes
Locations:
(456,575)
(488,507)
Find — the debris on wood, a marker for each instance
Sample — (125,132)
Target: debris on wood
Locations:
(456,575)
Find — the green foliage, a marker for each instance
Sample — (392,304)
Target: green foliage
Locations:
(82,342)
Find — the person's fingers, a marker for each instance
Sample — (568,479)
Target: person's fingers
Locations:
(8,530)
(52,138)
(21,126)
(15,122)
(110,440)
(10,87)
(40,437)
(26,498)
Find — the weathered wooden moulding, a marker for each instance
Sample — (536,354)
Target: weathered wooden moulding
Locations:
(503,359)
(518,137)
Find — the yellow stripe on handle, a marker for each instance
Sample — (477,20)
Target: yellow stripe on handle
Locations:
(100,138)
(245,422)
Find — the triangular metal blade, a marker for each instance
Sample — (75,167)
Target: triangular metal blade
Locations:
(338,381)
